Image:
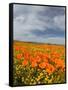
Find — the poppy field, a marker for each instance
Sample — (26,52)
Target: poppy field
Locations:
(38,63)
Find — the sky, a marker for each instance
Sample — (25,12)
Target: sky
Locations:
(44,24)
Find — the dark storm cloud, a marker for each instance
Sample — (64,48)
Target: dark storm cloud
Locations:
(53,11)
(49,33)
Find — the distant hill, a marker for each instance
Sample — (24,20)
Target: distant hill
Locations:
(38,43)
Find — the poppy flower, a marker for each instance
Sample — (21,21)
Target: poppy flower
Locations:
(19,56)
(25,62)
(50,68)
(59,63)
(26,55)
(42,65)
(17,48)
(38,59)
(33,64)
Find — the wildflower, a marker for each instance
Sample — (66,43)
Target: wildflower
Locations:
(26,55)
(25,62)
(33,64)
(16,48)
(19,56)
(50,68)
(42,65)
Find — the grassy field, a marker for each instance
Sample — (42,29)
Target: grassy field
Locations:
(36,63)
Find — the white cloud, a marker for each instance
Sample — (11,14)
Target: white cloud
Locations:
(56,40)
(20,19)
(59,22)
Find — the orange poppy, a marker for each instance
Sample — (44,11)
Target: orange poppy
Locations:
(33,64)
(50,69)
(38,59)
(25,62)
(60,63)
(42,65)
(32,59)
(46,56)
(26,55)
(16,48)
(19,56)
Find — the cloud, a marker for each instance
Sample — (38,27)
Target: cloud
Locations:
(60,22)
(38,23)
(56,40)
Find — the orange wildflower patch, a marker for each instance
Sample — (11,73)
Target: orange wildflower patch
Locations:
(41,61)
